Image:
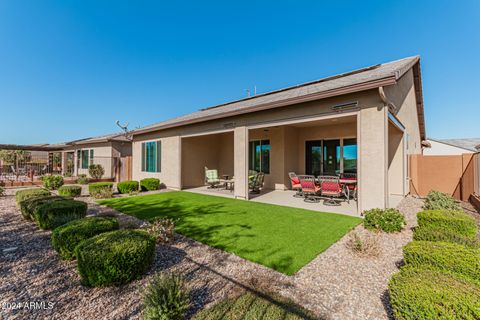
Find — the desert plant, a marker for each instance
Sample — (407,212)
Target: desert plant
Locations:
(25,194)
(96,171)
(29,205)
(162,229)
(52,182)
(52,214)
(66,237)
(82,179)
(115,257)
(128,186)
(70,191)
(150,184)
(431,294)
(439,200)
(166,298)
(444,256)
(365,245)
(455,221)
(100,190)
(388,220)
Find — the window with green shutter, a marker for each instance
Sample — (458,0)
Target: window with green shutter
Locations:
(85,160)
(91,156)
(151,156)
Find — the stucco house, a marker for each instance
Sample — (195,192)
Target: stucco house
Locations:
(366,121)
(105,150)
(448,147)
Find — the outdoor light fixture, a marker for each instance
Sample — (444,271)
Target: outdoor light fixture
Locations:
(345,106)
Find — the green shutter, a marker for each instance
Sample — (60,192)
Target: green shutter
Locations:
(143,156)
(159,156)
(91,156)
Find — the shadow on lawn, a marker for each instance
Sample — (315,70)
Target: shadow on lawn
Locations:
(216,232)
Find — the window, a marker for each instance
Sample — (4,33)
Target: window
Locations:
(259,156)
(91,156)
(84,159)
(350,155)
(151,156)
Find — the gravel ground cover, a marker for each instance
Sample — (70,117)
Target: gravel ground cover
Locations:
(336,285)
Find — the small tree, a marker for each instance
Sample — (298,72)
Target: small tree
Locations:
(11,156)
(96,171)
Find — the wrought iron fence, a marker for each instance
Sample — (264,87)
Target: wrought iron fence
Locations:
(32,166)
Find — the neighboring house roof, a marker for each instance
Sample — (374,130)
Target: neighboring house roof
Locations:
(362,79)
(470,144)
(119,136)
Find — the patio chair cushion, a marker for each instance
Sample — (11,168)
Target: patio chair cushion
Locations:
(331,188)
(212,176)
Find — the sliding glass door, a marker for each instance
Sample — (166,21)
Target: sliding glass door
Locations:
(330,157)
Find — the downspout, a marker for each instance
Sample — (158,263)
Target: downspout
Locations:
(391,107)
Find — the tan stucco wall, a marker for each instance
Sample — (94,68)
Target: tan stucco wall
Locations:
(396,159)
(170,174)
(211,151)
(402,95)
(102,154)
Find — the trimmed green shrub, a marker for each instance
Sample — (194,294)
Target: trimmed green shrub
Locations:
(66,238)
(52,214)
(52,182)
(166,297)
(28,206)
(128,186)
(82,179)
(438,200)
(432,233)
(431,294)
(25,194)
(388,220)
(100,190)
(115,258)
(455,221)
(70,191)
(96,171)
(150,184)
(2,188)
(444,256)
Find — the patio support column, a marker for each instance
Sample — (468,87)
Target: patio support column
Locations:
(372,127)
(240,145)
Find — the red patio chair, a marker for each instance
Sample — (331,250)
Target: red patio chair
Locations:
(295,181)
(352,187)
(310,190)
(331,188)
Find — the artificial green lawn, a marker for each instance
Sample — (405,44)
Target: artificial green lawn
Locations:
(282,238)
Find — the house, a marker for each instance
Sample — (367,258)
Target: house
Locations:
(366,121)
(106,150)
(448,147)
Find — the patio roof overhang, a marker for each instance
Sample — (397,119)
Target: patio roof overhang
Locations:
(44,147)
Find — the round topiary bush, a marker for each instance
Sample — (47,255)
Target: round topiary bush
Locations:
(115,258)
(127,186)
(100,190)
(25,194)
(150,184)
(52,182)
(431,294)
(28,206)
(457,222)
(444,256)
(66,238)
(388,220)
(52,214)
(70,191)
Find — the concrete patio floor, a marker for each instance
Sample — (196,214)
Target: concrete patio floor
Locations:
(284,198)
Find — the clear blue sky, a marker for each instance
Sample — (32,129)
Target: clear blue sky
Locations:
(69,69)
